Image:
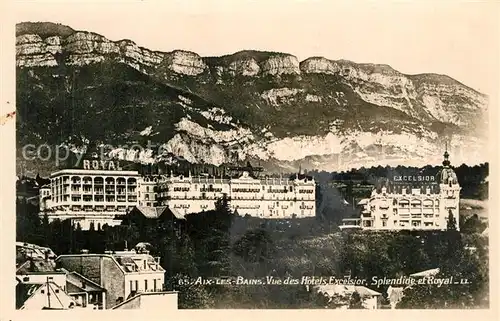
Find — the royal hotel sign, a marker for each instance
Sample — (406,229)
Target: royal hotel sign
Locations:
(101,165)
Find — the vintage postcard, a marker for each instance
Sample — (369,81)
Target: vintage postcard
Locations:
(313,155)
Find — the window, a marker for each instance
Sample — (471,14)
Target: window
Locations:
(384,223)
(147,188)
(154,284)
(26,279)
(145,285)
(136,285)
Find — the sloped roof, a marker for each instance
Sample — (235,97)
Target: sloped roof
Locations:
(363,201)
(37,297)
(151,212)
(339,289)
(364,291)
(157,211)
(36,265)
(82,283)
(426,273)
(178,215)
(25,291)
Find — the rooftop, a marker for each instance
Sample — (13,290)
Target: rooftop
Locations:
(156,212)
(339,289)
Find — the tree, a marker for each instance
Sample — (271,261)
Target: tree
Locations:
(472,225)
(254,246)
(451,224)
(191,296)
(222,205)
(28,223)
(355,301)
(45,227)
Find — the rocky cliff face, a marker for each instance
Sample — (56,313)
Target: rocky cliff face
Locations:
(257,105)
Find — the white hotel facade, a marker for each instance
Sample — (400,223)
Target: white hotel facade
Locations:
(90,196)
(411,203)
(102,193)
(275,198)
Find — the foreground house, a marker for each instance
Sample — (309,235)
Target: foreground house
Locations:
(123,274)
(44,296)
(342,294)
(85,292)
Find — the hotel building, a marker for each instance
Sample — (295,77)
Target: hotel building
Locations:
(411,202)
(101,192)
(92,195)
(275,198)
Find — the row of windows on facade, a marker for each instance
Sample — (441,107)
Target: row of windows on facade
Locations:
(406,215)
(90,180)
(276,213)
(273,197)
(419,206)
(122,180)
(94,190)
(434,189)
(96,198)
(236,190)
(134,285)
(100,208)
(368,223)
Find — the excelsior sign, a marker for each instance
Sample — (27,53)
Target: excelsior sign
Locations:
(414,178)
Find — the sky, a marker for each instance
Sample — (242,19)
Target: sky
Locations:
(452,37)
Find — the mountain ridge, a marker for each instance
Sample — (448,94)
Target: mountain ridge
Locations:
(268,102)
(27,27)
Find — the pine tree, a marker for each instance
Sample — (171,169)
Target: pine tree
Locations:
(452,222)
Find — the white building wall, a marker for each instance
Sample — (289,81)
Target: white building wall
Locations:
(269,198)
(98,196)
(136,282)
(39,278)
(91,195)
(413,210)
